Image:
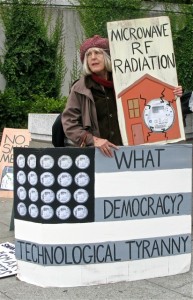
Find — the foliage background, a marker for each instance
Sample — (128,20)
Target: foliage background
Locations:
(33,62)
(94,15)
(183,45)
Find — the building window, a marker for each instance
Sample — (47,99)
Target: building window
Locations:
(133,108)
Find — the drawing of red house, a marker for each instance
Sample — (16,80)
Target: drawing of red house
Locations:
(150,111)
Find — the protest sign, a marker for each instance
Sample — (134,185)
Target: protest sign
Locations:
(11,138)
(8,263)
(83,219)
(144,75)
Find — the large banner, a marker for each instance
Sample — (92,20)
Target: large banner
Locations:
(84,219)
(11,138)
(144,74)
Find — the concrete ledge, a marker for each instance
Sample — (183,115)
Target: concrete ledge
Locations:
(40,126)
(40,144)
(189,126)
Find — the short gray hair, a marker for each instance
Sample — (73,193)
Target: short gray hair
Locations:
(108,66)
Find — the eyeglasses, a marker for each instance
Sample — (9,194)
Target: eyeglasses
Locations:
(96,52)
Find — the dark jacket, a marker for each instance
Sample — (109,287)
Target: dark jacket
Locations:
(79,118)
(58,135)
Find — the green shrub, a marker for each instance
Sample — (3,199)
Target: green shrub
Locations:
(42,104)
(12,110)
(32,62)
(33,59)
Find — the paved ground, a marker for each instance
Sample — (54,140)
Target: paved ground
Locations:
(171,287)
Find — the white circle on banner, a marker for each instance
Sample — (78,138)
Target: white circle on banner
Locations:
(81,195)
(21,193)
(33,194)
(21,208)
(21,177)
(31,161)
(80,212)
(65,162)
(64,179)
(63,195)
(47,212)
(21,161)
(32,178)
(47,196)
(33,210)
(82,161)
(47,162)
(82,179)
(63,212)
(47,179)
(159,115)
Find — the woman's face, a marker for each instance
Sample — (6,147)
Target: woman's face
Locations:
(96,63)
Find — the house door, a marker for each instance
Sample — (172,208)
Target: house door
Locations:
(137,132)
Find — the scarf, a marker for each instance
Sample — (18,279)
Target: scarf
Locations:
(102,81)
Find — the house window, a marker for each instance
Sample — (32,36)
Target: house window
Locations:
(133,108)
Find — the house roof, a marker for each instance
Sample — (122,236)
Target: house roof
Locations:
(146,76)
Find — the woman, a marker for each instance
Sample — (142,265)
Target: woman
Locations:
(90,117)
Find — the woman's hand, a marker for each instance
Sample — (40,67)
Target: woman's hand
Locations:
(105,146)
(178,91)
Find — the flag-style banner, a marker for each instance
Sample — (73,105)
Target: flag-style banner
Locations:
(144,76)
(82,218)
